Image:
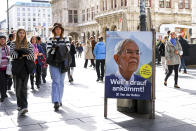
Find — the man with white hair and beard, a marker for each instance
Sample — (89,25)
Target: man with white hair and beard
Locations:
(127,57)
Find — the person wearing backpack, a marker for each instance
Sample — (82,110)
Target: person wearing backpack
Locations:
(57,56)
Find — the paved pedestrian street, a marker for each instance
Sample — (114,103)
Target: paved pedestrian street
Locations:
(83,108)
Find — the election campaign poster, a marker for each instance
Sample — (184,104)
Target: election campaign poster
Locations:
(129,65)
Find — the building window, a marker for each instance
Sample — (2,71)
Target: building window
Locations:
(187,4)
(115,4)
(23,19)
(24,24)
(168,3)
(18,19)
(97,9)
(70,16)
(34,24)
(29,14)
(29,19)
(75,16)
(34,19)
(125,2)
(83,15)
(23,14)
(29,24)
(18,23)
(181,5)
(161,3)
(148,3)
(121,2)
(106,4)
(29,9)
(112,4)
(92,13)
(103,6)
(18,14)
(88,14)
(23,9)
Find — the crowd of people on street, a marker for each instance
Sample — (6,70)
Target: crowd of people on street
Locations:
(21,60)
(171,52)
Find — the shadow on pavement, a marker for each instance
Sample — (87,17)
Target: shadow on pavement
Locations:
(161,123)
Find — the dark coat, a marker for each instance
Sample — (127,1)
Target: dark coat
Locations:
(185,46)
(162,49)
(72,53)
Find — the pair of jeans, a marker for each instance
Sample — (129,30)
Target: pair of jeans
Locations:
(57,84)
(98,63)
(21,91)
(170,69)
(182,65)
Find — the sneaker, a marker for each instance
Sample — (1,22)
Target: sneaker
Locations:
(2,99)
(101,79)
(98,79)
(23,111)
(56,106)
(19,108)
(176,86)
(44,80)
(165,83)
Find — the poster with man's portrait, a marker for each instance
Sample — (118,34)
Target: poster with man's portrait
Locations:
(128,65)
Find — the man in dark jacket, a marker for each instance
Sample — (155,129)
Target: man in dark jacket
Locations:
(185,47)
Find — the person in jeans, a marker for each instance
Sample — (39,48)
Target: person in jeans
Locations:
(4,55)
(185,47)
(17,53)
(173,50)
(55,65)
(99,52)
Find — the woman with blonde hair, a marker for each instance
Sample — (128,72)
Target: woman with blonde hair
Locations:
(88,55)
(21,51)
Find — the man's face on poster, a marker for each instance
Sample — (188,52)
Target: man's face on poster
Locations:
(128,58)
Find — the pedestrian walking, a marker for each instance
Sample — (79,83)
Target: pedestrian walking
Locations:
(80,50)
(72,52)
(57,48)
(162,53)
(88,55)
(23,63)
(4,55)
(43,59)
(9,77)
(99,52)
(173,50)
(185,46)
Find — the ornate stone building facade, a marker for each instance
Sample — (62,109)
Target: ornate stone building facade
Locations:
(85,18)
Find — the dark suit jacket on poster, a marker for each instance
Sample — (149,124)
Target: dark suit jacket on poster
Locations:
(139,88)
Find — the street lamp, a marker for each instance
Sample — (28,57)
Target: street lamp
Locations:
(8,18)
(142,16)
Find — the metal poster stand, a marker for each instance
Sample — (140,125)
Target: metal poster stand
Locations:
(151,113)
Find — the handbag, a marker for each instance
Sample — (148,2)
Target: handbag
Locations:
(30,66)
(9,68)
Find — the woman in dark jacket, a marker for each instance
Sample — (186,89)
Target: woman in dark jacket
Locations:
(21,51)
(73,62)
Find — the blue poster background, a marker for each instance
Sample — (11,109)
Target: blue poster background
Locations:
(113,87)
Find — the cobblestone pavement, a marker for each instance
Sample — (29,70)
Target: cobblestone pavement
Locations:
(83,102)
